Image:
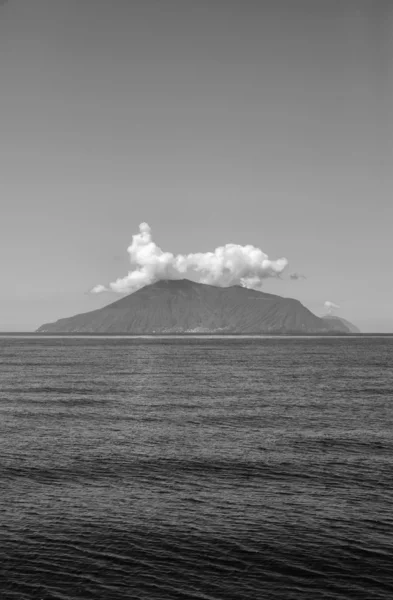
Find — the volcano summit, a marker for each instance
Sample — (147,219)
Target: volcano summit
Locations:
(184,306)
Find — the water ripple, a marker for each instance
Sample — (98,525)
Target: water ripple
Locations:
(196,469)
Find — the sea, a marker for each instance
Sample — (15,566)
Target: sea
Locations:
(196,468)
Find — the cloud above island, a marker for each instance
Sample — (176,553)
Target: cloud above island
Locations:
(227,265)
(330,307)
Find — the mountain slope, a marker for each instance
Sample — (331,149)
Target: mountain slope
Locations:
(184,306)
(334,321)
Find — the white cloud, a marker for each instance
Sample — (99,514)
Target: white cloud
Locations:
(330,307)
(231,264)
(98,289)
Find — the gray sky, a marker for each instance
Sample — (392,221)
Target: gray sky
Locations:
(253,122)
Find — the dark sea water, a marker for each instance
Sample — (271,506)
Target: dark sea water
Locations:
(208,469)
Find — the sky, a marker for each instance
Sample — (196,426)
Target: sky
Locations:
(249,122)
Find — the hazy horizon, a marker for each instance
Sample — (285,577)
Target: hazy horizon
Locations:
(264,124)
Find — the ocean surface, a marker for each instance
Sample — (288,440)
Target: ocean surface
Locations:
(206,469)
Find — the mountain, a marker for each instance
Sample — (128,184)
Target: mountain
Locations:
(183,306)
(339,321)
